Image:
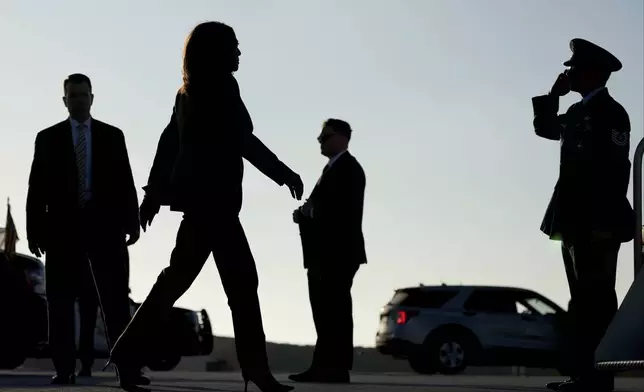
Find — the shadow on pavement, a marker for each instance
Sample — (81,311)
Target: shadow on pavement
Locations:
(25,382)
(164,383)
(43,382)
(178,388)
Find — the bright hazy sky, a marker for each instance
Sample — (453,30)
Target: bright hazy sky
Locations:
(438,93)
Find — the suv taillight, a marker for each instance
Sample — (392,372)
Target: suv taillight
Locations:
(403,316)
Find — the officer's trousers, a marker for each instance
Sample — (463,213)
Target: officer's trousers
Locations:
(198,236)
(591,268)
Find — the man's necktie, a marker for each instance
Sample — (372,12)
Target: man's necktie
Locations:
(81,156)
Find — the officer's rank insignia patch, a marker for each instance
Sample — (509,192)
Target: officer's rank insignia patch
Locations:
(619,138)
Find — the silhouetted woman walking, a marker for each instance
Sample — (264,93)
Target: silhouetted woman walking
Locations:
(198,170)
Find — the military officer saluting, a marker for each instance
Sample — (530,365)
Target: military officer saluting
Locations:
(589,212)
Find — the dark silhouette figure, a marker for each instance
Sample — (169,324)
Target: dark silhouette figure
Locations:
(589,211)
(333,246)
(198,170)
(81,204)
(18,327)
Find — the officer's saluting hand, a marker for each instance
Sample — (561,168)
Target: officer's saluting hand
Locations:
(561,86)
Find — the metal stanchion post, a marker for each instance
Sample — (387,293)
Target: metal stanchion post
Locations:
(637,205)
(622,347)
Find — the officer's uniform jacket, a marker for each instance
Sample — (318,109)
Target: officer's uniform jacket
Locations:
(590,194)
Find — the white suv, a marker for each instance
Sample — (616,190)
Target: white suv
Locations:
(446,328)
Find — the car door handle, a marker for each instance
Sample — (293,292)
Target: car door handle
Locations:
(469,313)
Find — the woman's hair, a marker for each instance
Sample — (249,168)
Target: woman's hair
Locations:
(205,50)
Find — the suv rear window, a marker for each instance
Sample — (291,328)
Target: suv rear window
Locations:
(423,298)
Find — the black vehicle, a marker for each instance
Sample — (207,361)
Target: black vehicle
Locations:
(23,325)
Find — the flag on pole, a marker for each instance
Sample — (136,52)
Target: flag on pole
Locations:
(9,235)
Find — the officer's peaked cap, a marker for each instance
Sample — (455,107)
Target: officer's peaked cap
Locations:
(586,53)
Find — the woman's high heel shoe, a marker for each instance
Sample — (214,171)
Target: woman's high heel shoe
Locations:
(129,381)
(267,384)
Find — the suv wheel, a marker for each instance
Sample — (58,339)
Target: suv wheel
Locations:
(450,352)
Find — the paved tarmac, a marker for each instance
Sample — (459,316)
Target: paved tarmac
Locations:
(231,382)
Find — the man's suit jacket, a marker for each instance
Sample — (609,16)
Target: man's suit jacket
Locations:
(591,192)
(333,237)
(198,164)
(52,198)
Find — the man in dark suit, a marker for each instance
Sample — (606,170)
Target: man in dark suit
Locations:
(333,248)
(589,210)
(81,205)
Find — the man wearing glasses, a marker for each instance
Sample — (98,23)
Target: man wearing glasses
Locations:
(333,246)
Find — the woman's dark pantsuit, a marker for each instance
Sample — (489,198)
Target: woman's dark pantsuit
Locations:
(198,236)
